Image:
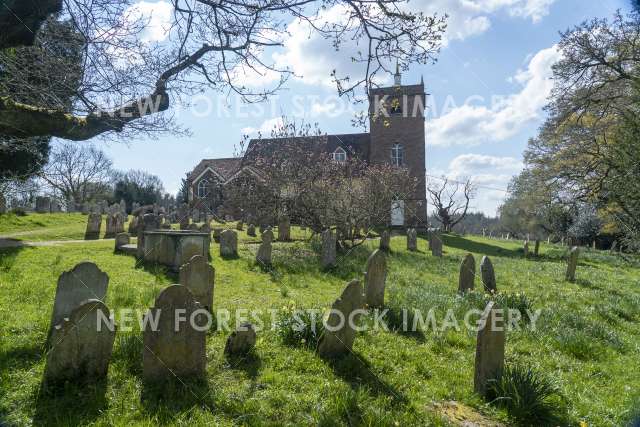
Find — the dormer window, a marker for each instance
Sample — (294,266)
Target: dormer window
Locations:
(397,155)
(339,155)
(203,188)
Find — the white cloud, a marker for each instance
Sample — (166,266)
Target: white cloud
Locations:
(472,124)
(157,17)
(265,128)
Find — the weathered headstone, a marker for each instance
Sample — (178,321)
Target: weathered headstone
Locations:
(263,256)
(81,344)
(251,230)
(198,275)
(94,221)
(284,229)
(85,281)
(240,226)
(229,244)
(525,249)
(183,216)
(328,249)
(177,346)
(614,246)
(536,248)
(216,234)
(148,222)
(375,277)
(489,363)
(488,275)
(110,229)
(572,264)
(436,244)
(133,224)
(241,341)
(43,204)
(467,277)
(385,241)
(339,333)
(412,239)
(121,240)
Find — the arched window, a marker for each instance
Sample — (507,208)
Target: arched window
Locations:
(203,188)
(339,155)
(397,155)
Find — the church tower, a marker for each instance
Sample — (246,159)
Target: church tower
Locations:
(396,123)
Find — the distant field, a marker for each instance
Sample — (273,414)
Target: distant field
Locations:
(587,339)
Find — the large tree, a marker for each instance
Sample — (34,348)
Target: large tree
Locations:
(127,80)
(451,200)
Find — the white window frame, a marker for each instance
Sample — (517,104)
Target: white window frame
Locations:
(202,189)
(339,155)
(397,155)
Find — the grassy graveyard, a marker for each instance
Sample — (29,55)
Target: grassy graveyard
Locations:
(586,340)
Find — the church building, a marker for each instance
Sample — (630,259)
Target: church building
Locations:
(396,137)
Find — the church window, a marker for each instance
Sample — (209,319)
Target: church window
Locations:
(339,155)
(203,188)
(397,155)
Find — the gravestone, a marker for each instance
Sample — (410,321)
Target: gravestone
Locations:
(240,226)
(229,244)
(94,222)
(241,341)
(436,244)
(572,264)
(490,343)
(183,216)
(148,222)
(3,204)
(110,229)
(375,277)
(133,224)
(85,281)
(81,344)
(198,275)
(251,230)
(263,257)
(412,239)
(385,241)
(121,240)
(119,222)
(177,347)
(193,227)
(55,206)
(488,275)
(284,229)
(536,248)
(526,249)
(467,277)
(614,246)
(216,234)
(338,335)
(328,249)
(43,204)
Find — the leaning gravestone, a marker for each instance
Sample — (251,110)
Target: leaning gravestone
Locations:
(284,229)
(85,281)
(94,221)
(177,346)
(339,333)
(466,279)
(385,241)
(121,240)
(228,244)
(526,249)
(328,249)
(436,244)
(375,277)
(488,275)
(198,275)
(536,248)
(490,344)
(251,230)
(263,257)
(572,264)
(412,239)
(241,341)
(81,344)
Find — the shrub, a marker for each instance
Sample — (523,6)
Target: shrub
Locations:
(299,327)
(528,397)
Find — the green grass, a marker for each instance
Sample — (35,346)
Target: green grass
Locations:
(39,227)
(393,378)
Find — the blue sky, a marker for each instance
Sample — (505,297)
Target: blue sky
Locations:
(486,93)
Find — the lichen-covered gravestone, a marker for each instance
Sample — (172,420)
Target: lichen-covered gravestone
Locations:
(572,264)
(229,244)
(436,244)
(488,275)
(385,241)
(241,341)
(251,230)
(177,346)
(94,221)
(375,277)
(284,229)
(412,239)
(466,279)
(328,249)
(339,333)
(490,344)
(85,281)
(263,257)
(198,275)
(121,240)
(81,344)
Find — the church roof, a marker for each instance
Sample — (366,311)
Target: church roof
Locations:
(225,167)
